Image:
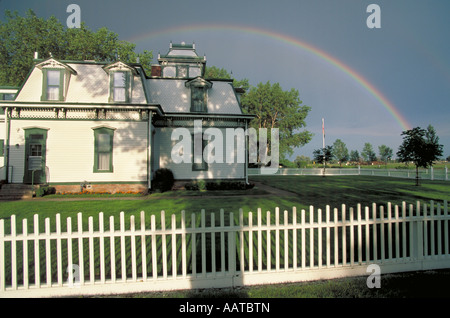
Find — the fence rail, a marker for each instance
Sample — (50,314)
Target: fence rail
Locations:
(426,174)
(44,259)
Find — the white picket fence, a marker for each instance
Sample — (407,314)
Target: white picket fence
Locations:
(425,174)
(201,252)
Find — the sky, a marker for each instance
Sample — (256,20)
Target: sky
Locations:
(368,84)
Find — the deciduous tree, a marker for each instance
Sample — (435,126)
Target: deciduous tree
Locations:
(275,108)
(21,36)
(421,147)
(340,151)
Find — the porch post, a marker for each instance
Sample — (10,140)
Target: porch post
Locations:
(149,150)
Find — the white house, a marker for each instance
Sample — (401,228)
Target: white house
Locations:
(110,125)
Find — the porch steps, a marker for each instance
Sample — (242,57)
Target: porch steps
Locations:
(11,192)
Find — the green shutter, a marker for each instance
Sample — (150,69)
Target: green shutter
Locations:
(2,147)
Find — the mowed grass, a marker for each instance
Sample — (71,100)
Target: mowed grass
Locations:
(317,191)
(350,190)
(304,191)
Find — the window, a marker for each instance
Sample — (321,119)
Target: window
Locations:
(199,166)
(198,100)
(182,71)
(53,84)
(7,96)
(103,149)
(120,85)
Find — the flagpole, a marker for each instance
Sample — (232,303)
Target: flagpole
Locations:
(323,144)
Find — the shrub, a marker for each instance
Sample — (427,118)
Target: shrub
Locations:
(41,191)
(163,180)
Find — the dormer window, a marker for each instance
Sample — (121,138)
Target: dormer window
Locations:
(55,78)
(199,94)
(53,85)
(119,84)
(198,100)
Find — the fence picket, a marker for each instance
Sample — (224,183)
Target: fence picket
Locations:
(259,241)
(222,241)
(133,249)
(91,250)
(425,230)
(112,248)
(319,239)
(80,248)
(336,241)
(241,244)
(389,230)
(382,237)
(203,242)
(154,262)
(439,229)
(183,244)
(269,244)
(48,262)
(250,240)
(174,247)
(13,253)
(69,269)
(102,247)
(352,238)
(37,275)
(393,238)
(328,238)
(359,229)
(294,238)
(344,237)
(446,238)
(143,248)
(164,244)
(374,231)
(311,237)
(432,219)
(286,241)
(122,247)
(25,253)
(194,245)
(277,239)
(2,256)
(404,251)
(213,243)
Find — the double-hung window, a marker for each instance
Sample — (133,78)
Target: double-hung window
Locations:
(53,85)
(198,100)
(103,159)
(120,86)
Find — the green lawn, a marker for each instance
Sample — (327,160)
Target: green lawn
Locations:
(305,190)
(351,190)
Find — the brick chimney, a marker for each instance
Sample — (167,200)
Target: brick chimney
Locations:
(156,71)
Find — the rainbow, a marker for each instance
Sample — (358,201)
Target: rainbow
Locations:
(290,40)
